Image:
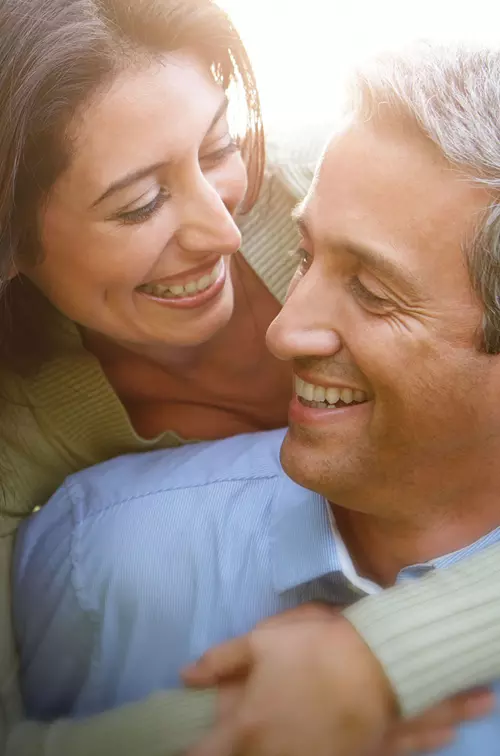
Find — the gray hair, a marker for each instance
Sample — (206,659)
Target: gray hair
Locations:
(452,93)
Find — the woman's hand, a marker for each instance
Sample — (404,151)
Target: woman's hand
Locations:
(436,728)
(305,682)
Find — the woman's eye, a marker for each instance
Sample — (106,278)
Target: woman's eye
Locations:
(216,157)
(367,298)
(142,214)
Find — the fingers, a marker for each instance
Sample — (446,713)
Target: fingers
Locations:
(473,704)
(229,697)
(220,742)
(436,728)
(315,610)
(231,659)
(235,658)
(419,742)
(465,706)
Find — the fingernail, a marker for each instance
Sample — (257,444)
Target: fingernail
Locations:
(479,707)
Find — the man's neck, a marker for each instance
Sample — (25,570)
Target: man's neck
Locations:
(381,547)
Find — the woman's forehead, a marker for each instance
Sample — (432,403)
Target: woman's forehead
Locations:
(154,113)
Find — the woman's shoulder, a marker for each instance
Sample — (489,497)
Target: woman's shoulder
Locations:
(50,426)
(31,467)
(56,421)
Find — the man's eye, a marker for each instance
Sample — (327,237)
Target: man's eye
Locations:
(304,260)
(367,298)
(142,214)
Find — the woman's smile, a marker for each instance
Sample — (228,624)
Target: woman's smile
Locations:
(189,290)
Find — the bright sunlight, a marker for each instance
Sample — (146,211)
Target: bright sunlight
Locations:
(302,51)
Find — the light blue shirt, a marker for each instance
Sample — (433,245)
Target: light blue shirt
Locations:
(139,565)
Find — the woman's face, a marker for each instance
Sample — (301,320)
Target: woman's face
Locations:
(138,231)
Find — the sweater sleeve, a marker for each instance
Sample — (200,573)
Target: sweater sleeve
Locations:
(164,725)
(438,635)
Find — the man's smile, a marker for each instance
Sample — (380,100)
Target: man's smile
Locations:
(314,403)
(327,397)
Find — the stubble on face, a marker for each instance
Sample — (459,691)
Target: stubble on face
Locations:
(389,189)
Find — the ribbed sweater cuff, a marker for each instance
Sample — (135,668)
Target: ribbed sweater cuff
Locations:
(438,635)
(165,725)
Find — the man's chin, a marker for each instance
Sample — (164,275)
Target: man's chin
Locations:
(301,458)
(302,440)
(319,464)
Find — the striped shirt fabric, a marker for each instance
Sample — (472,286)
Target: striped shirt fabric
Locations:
(138,565)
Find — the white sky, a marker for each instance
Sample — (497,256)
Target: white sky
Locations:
(302,50)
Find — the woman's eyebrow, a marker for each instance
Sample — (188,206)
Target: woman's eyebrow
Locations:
(137,175)
(129,178)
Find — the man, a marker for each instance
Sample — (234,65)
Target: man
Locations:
(392,328)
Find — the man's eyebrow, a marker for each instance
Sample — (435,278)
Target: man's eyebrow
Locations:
(298,218)
(377,261)
(371,257)
(133,176)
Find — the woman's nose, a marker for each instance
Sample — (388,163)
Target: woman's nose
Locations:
(207,224)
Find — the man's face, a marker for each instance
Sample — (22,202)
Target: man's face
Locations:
(382,311)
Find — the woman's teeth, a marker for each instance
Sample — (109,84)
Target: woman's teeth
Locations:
(319,397)
(188,289)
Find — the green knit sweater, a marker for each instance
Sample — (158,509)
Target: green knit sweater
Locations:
(68,418)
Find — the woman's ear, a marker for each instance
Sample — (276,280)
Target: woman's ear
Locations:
(13,272)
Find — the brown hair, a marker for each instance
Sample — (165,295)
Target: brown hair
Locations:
(54,54)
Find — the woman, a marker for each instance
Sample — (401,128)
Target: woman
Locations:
(131,321)
(126,301)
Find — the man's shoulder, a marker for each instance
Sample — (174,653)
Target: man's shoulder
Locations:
(154,542)
(176,472)
(175,503)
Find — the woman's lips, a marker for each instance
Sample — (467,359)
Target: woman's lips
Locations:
(193,293)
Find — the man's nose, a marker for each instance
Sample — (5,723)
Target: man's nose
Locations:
(303,327)
(206,224)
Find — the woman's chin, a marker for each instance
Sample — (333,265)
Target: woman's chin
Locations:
(195,326)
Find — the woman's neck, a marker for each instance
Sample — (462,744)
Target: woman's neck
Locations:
(171,358)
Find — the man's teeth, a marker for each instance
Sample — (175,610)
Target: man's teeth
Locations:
(189,288)
(324,397)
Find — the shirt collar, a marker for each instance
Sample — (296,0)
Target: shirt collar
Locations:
(305,544)
(447,560)
(302,545)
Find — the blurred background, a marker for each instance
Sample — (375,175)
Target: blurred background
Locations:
(302,51)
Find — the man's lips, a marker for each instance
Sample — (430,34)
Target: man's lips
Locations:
(302,412)
(328,393)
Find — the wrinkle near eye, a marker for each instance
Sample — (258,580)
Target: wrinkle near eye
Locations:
(368,300)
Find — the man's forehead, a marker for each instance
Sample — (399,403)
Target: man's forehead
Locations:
(391,184)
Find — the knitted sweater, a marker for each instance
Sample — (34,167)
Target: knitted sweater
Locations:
(68,417)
